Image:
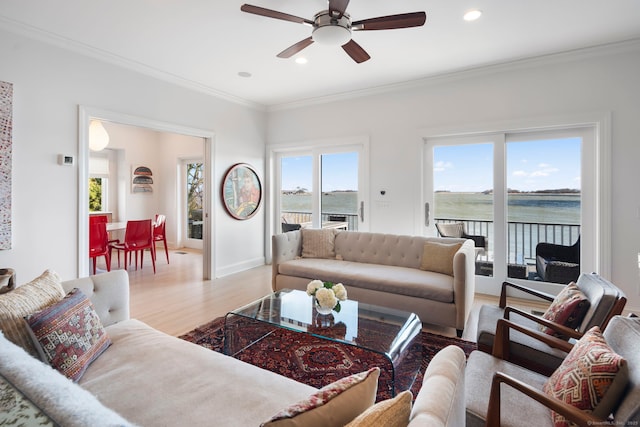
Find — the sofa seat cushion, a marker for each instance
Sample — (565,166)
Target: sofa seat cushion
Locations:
(180,383)
(386,278)
(516,406)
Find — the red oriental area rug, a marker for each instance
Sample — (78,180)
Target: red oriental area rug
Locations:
(319,362)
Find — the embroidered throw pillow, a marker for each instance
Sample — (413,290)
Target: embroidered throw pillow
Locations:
(318,243)
(592,377)
(69,335)
(388,413)
(24,300)
(568,308)
(438,257)
(333,405)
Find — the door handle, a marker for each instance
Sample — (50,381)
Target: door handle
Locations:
(426,214)
(362,211)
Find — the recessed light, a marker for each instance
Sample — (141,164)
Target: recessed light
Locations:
(472,15)
(301,60)
(245,74)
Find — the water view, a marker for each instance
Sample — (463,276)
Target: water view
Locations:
(522,207)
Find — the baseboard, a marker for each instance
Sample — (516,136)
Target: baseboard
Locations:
(239,267)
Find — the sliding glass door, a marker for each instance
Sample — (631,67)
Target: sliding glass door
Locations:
(320,188)
(525,193)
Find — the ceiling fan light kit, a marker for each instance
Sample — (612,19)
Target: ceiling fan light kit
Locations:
(331,31)
(333,27)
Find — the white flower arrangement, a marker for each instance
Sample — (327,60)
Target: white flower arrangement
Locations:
(327,294)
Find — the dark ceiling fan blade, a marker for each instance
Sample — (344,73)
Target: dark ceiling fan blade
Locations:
(356,52)
(290,51)
(257,10)
(403,20)
(337,8)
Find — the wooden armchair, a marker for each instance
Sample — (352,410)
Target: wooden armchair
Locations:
(500,393)
(606,300)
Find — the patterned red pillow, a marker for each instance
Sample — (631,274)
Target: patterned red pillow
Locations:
(592,378)
(568,308)
(69,335)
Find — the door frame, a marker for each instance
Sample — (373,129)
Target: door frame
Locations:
(85,115)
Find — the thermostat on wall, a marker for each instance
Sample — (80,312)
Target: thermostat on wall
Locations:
(65,160)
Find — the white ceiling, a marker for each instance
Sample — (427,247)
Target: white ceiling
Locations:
(205,44)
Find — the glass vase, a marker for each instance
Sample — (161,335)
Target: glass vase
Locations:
(322,310)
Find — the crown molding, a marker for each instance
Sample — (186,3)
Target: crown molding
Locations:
(31,32)
(630,45)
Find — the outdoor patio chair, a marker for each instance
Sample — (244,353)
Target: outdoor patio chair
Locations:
(505,394)
(456,230)
(558,263)
(605,301)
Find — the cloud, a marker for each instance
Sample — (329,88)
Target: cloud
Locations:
(442,166)
(519,173)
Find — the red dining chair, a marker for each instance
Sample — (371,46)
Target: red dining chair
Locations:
(159,233)
(98,218)
(138,236)
(99,244)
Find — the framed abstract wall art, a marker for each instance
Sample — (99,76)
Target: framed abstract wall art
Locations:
(241,191)
(6,111)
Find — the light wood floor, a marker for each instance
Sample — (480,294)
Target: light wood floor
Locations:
(176,299)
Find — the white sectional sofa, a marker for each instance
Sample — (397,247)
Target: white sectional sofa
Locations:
(411,273)
(148,378)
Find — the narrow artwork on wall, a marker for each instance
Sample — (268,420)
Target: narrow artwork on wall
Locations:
(6,108)
(142,180)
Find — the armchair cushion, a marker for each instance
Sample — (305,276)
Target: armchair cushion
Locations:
(567,309)
(592,378)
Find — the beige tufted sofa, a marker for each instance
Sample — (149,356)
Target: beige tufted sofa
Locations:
(383,269)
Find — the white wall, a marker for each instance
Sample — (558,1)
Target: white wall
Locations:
(600,81)
(49,85)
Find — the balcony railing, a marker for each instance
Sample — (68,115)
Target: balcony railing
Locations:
(522,236)
(299,217)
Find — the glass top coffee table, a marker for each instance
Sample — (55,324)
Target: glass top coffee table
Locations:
(392,334)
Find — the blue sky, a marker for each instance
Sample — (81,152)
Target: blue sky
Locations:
(340,172)
(531,165)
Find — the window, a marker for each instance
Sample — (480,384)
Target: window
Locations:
(98,183)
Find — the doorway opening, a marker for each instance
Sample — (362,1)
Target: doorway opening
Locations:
(86,114)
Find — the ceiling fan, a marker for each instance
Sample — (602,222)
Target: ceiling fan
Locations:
(334,26)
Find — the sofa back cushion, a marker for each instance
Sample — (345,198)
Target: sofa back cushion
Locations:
(602,295)
(384,249)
